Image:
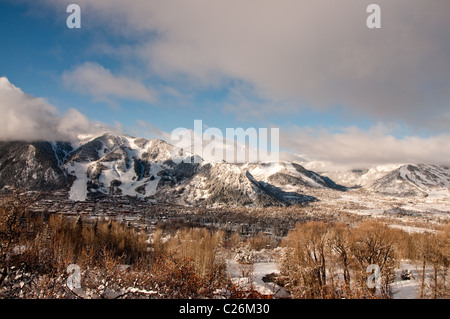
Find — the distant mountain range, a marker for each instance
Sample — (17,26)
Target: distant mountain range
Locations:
(398,180)
(122,165)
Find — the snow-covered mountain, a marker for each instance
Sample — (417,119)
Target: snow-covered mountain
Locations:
(398,179)
(117,165)
(123,165)
(291,175)
(36,166)
(359,177)
(414,180)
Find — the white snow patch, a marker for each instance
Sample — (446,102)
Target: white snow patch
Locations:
(78,191)
(260,269)
(151,187)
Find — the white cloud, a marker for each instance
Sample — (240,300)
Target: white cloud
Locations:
(356,148)
(95,80)
(24,117)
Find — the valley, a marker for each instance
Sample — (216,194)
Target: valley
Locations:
(115,175)
(107,191)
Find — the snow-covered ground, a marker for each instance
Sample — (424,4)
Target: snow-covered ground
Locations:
(401,289)
(404,209)
(255,280)
(410,289)
(406,289)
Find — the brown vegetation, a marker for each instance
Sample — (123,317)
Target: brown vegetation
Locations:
(116,260)
(323,260)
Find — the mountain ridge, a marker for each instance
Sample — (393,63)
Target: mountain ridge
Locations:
(398,179)
(121,165)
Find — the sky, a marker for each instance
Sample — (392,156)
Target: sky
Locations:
(338,91)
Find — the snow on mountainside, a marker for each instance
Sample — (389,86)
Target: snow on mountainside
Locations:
(398,179)
(228,184)
(108,164)
(290,175)
(122,165)
(414,180)
(33,165)
(118,165)
(361,177)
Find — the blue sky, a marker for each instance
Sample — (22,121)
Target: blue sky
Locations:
(38,48)
(320,72)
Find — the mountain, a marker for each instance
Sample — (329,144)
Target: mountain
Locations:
(123,165)
(34,166)
(291,174)
(119,165)
(398,179)
(358,177)
(415,180)
(109,164)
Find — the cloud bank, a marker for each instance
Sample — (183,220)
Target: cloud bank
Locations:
(293,54)
(27,118)
(285,57)
(355,148)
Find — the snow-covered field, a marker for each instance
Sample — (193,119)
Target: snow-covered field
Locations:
(404,209)
(410,289)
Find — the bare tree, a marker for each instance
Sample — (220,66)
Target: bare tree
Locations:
(308,259)
(340,244)
(373,244)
